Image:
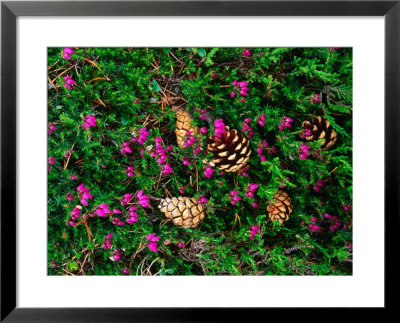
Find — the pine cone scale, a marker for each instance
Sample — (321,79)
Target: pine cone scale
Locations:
(230,152)
(281,207)
(183,211)
(320,128)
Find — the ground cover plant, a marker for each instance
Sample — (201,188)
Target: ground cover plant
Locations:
(199,161)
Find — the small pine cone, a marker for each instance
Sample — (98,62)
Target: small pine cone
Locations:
(281,207)
(321,128)
(184,211)
(183,119)
(231,152)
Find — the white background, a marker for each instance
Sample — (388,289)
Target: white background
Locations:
(364,288)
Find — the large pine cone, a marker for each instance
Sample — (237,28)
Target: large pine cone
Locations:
(321,128)
(184,211)
(230,152)
(281,207)
(183,119)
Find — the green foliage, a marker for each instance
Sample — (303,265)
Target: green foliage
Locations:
(127,89)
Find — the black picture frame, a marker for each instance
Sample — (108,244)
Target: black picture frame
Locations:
(10,10)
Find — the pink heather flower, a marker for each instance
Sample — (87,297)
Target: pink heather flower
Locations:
(314,228)
(262,158)
(166,169)
(219,128)
(132,216)
(143,134)
(246,53)
(186,161)
(208,172)
(136,101)
(126,271)
(253,231)
(152,242)
(304,151)
(181,244)
(126,199)
(203,130)
(70,196)
(254,204)
(117,221)
(53,264)
(143,200)
(347,207)
(333,49)
(68,82)
(247,128)
(116,256)
(286,122)
(130,171)
(51,160)
(232,94)
(107,242)
(83,194)
(251,189)
(67,52)
(243,171)
(182,190)
(89,121)
(197,149)
(52,128)
(68,154)
(126,148)
(213,74)
(202,200)
(74,176)
(315,98)
(261,119)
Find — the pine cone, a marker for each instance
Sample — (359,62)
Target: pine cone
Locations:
(184,211)
(281,207)
(231,152)
(321,128)
(183,119)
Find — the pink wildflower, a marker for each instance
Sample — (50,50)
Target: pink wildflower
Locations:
(166,169)
(253,231)
(132,216)
(116,256)
(208,171)
(202,200)
(130,171)
(68,82)
(89,121)
(286,122)
(219,128)
(246,52)
(67,52)
(261,119)
(107,242)
(126,271)
(181,244)
(304,151)
(143,200)
(152,242)
(52,128)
